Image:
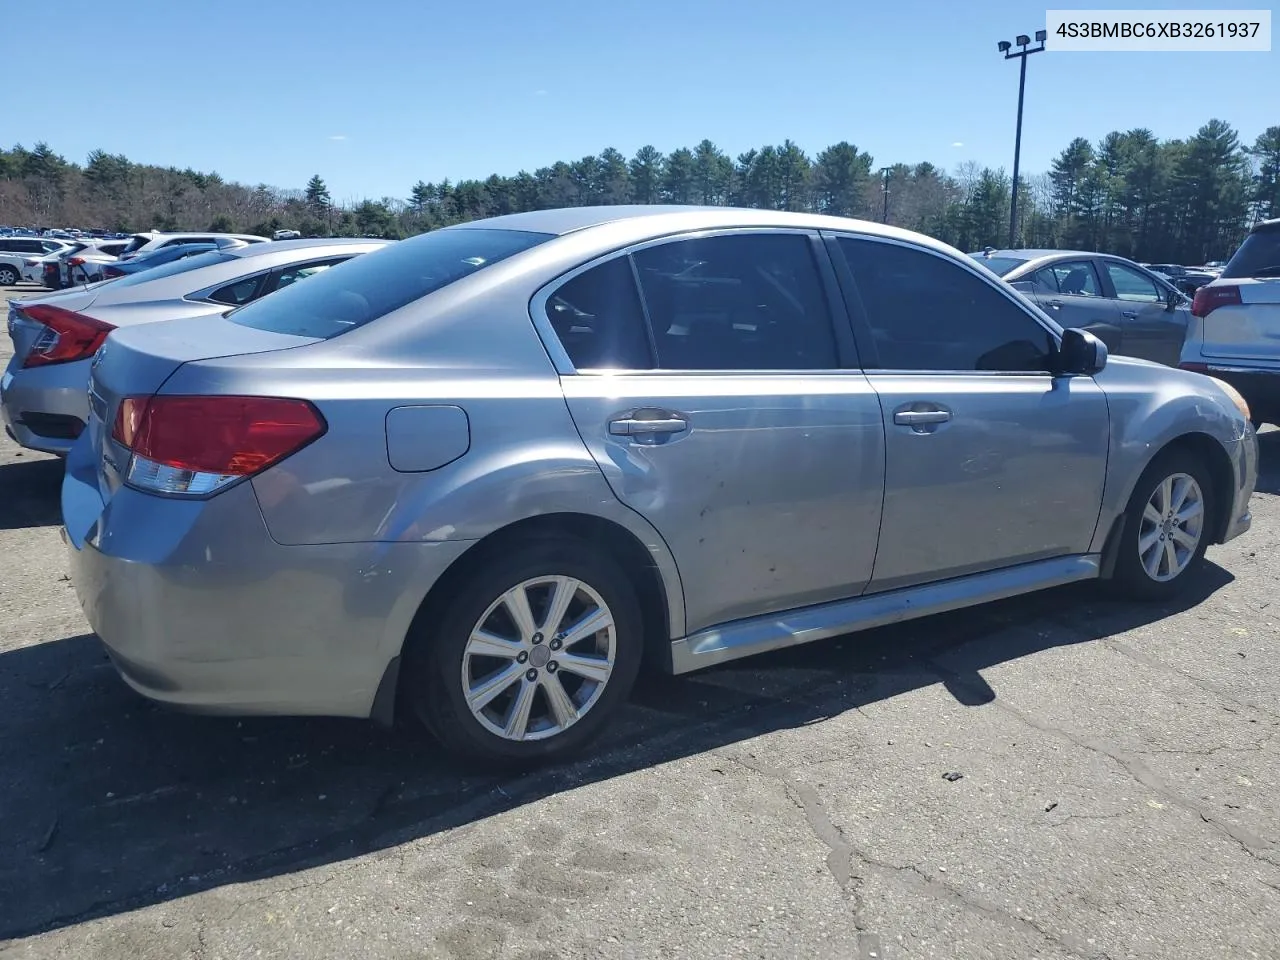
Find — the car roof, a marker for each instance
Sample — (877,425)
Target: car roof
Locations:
(1265,226)
(276,246)
(636,221)
(1030,254)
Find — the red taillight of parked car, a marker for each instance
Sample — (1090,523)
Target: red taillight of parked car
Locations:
(76,261)
(1209,299)
(196,445)
(67,336)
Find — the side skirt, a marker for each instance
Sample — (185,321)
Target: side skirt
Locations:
(745,638)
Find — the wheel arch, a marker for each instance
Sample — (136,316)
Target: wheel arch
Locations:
(661,602)
(1221,476)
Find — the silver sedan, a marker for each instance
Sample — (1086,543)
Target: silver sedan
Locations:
(480,475)
(42,393)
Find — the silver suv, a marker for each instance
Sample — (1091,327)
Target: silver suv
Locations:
(1235,334)
(481,474)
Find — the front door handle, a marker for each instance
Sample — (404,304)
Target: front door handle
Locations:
(633,427)
(1056,304)
(1129,314)
(914,418)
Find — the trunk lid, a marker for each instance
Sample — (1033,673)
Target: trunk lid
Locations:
(1249,330)
(136,361)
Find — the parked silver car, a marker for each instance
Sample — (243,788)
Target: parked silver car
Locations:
(1132,310)
(42,393)
(481,474)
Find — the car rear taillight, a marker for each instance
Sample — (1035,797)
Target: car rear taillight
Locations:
(195,446)
(67,336)
(1209,299)
(76,261)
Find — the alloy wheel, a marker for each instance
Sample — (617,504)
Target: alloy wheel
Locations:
(539,658)
(1172,527)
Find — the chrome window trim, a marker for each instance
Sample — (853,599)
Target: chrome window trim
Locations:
(560,357)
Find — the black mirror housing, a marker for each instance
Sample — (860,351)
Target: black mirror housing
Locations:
(1081,353)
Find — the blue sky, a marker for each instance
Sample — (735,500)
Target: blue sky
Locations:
(374,95)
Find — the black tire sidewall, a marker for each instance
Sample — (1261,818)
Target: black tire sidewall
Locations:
(434,657)
(1130,576)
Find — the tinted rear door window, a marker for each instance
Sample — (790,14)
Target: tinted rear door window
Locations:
(741,302)
(374,284)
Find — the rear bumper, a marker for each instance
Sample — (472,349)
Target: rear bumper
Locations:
(45,408)
(200,609)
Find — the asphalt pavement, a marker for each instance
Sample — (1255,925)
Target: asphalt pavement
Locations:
(1054,776)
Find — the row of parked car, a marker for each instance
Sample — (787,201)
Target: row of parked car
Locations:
(58,263)
(1137,311)
(476,477)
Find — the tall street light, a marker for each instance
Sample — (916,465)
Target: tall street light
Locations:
(884,171)
(1023,51)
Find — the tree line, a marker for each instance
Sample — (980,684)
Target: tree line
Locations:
(1182,200)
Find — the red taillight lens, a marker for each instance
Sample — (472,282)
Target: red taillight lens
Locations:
(226,436)
(67,335)
(76,261)
(1209,299)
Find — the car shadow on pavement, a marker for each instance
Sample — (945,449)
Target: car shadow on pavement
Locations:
(30,493)
(109,803)
(1269,462)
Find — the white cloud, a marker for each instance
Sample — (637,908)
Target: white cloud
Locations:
(957,144)
(338,136)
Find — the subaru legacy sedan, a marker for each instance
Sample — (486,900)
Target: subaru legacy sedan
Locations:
(477,477)
(43,395)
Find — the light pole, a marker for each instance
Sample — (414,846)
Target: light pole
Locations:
(1022,53)
(884,217)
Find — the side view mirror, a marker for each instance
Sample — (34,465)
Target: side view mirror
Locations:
(1081,353)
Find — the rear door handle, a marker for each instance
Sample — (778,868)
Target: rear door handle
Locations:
(1129,314)
(912,418)
(631,427)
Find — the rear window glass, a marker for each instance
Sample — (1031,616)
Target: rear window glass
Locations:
(998,265)
(1258,256)
(370,286)
(169,269)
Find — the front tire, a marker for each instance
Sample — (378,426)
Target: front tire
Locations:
(1166,528)
(531,658)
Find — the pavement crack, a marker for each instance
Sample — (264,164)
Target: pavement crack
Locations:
(842,857)
(1250,842)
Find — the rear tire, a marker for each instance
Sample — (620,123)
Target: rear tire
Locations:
(509,682)
(1166,528)
(8,276)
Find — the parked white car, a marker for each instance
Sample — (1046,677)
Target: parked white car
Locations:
(16,251)
(151,240)
(1236,324)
